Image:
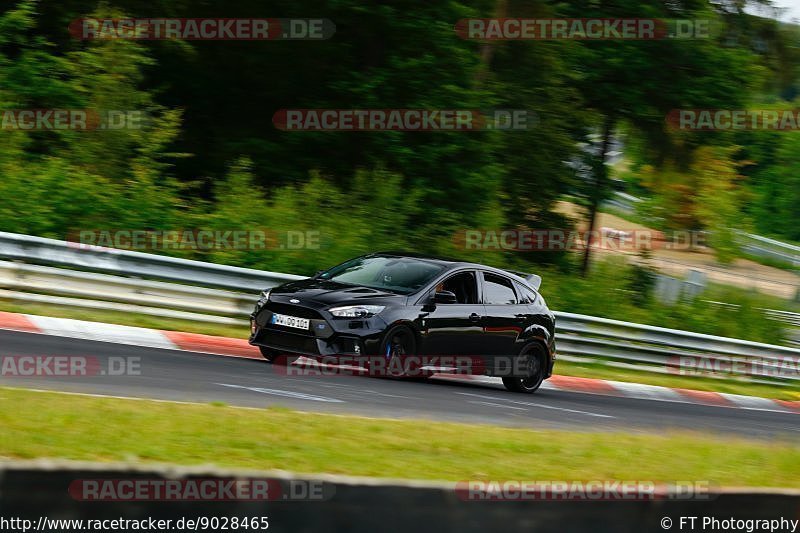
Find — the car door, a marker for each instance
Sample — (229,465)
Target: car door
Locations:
(503,321)
(456,328)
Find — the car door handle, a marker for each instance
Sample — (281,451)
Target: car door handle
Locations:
(474,317)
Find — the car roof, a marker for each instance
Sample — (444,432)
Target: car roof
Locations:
(414,255)
(453,264)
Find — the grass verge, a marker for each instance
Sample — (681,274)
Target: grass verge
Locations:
(38,424)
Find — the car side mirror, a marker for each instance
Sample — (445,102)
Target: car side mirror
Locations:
(445,297)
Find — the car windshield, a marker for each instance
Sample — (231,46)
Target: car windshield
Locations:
(403,275)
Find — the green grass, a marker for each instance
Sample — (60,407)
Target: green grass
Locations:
(51,425)
(564,368)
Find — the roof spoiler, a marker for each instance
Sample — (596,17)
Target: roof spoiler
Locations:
(535,281)
(531,279)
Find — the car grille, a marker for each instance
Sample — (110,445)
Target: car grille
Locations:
(291,342)
(293,310)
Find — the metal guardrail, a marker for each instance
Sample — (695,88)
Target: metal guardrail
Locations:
(44,251)
(579,337)
(665,350)
(623,201)
(760,246)
(59,281)
(58,286)
(786,317)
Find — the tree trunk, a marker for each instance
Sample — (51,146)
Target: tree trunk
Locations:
(487,48)
(600,184)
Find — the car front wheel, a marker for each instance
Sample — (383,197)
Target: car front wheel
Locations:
(398,343)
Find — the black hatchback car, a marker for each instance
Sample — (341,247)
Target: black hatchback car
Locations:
(387,307)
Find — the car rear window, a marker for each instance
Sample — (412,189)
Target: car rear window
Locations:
(498,290)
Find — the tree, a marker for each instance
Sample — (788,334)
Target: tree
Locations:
(776,208)
(639,82)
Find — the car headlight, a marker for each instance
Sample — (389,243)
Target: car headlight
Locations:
(356,311)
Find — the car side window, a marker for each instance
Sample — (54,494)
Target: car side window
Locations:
(463,285)
(526,295)
(498,290)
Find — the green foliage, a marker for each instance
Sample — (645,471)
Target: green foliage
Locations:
(718,200)
(761,73)
(638,82)
(777,189)
(60,182)
(708,196)
(642,282)
(335,224)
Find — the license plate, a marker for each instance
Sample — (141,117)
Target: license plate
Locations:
(290,321)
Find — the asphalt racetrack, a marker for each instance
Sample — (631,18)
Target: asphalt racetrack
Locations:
(193,377)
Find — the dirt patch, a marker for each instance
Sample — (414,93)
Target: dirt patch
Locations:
(741,273)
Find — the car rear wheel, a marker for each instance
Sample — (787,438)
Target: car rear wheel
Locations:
(532,362)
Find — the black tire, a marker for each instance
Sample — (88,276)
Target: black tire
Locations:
(275,357)
(399,341)
(535,361)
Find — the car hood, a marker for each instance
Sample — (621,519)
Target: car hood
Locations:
(325,293)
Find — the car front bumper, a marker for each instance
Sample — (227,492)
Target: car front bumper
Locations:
(326,337)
